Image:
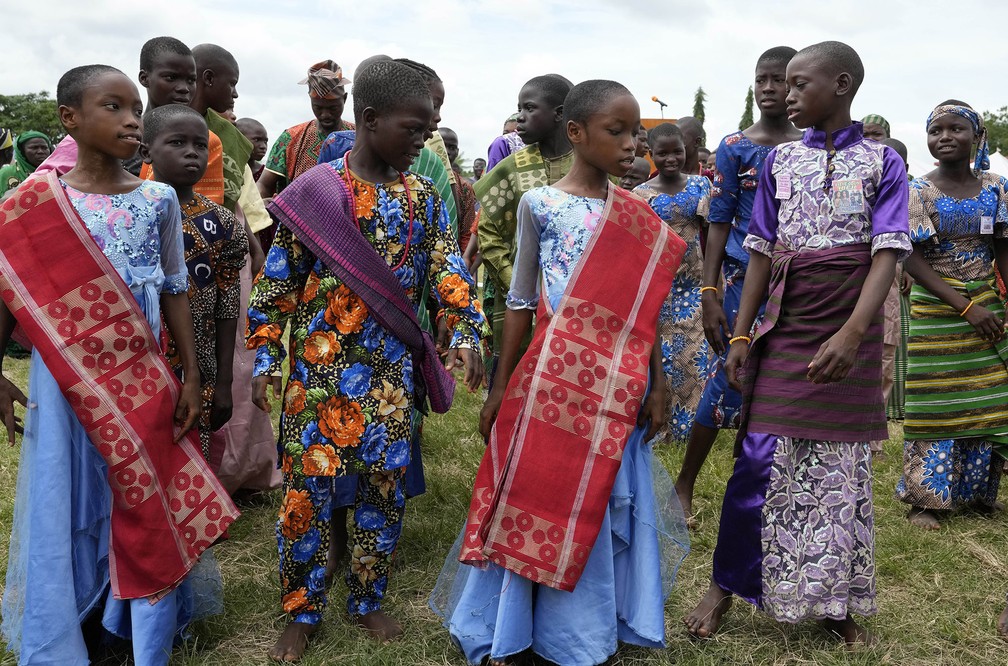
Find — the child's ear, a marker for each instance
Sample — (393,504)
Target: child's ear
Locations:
(575,133)
(844,84)
(144,78)
(145,153)
(369,118)
(67,116)
(208,77)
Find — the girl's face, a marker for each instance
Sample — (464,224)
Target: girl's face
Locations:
(669,155)
(951,138)
(35,151)
(108,118)
(608,140)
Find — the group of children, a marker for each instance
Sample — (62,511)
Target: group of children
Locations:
(752,303)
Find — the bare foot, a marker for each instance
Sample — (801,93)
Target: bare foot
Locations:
(337,544)
(292,642)
(686,501)
(924,519)
(1002,624)
(380,626)
(706,617)
(852,633)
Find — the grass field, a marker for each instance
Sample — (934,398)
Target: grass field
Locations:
(939,593)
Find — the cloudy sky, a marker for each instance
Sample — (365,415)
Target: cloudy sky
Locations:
(916,54)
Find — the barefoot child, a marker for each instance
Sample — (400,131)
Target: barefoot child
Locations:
(545,159)
(176,143)
(564,525)
(797,532)
(957,353)
(740,160)
(358,358)
(682,202)
(106,501)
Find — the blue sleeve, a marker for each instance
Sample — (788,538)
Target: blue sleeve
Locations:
(724,195)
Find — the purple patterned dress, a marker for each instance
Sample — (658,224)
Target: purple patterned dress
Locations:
(796,535)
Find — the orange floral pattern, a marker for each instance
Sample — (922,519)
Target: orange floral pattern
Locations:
(341,420)
(294,398)
(320,460)
(296,601)
(321,347)
(454,291)
(296,513)
(345,310)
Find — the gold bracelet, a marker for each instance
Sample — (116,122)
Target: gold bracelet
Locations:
(703,289)
(740,337)
(963,313)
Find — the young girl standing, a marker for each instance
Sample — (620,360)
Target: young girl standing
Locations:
(957,377)
(564,530)
(682,201)
(90,263)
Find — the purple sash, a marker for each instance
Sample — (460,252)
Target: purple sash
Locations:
(316,208)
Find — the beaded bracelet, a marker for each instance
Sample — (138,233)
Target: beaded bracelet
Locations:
(740,337)
(703,289)
(963,313)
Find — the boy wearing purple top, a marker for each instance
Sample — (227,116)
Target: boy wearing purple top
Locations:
(830,220)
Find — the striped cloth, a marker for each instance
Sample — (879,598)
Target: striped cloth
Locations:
(957,382)
(897,398)
(812,294)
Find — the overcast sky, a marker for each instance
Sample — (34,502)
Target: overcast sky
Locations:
(916,54)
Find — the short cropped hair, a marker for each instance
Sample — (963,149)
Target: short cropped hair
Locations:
(209,55)
(423,70)
(590,97)
(70,89)
(386,85)
(553,87)
(156,119)
(663,131)
(156,47)
(837,57)
(777,55)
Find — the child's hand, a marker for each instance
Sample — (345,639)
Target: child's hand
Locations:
(188,409)
(986,323)
(444,336)
(715,322)
(220,409)
(736,357)
(473,366)
(653,411)
(835,358)
(9,394)
(489,412)
(259,385)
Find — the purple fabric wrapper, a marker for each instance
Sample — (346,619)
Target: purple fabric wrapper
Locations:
(316,208)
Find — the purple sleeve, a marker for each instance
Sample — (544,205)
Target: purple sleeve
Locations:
(891,213)
(499,149)
(763,223)
(724,196)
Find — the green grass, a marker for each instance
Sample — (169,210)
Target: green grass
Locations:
(939,593)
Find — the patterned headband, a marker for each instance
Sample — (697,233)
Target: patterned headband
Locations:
(324,78)
(982,160)
(875,119)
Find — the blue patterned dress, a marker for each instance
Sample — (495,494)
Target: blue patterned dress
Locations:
(680,324)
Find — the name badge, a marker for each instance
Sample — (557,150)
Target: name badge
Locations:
(848,196)
(783,186)
(986,224)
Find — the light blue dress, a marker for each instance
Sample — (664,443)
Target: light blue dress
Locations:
(621,594)
(57,571)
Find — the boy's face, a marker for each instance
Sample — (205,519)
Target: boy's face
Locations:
(450,143)
(770,88)
(178,154)
(256,134)
(669,155)
(875,132)
(400,134)
(636,175)
(108,118)
(608,140)
(642,142)
(479,166)
(220,87)
(35,151)
(537,118)
(812,92)
(329,112)
(172,80)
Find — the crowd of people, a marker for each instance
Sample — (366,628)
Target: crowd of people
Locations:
(174,275)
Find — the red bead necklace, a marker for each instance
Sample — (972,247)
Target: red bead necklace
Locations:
(409,204)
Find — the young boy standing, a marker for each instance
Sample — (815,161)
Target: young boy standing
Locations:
(176,142)
(359,357)
(797,530)
(545,159)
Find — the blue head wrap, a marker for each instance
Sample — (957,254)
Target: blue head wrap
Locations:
(982,160)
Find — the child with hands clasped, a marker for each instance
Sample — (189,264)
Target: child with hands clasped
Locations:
(91,261)
(564,522)
(796,536)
